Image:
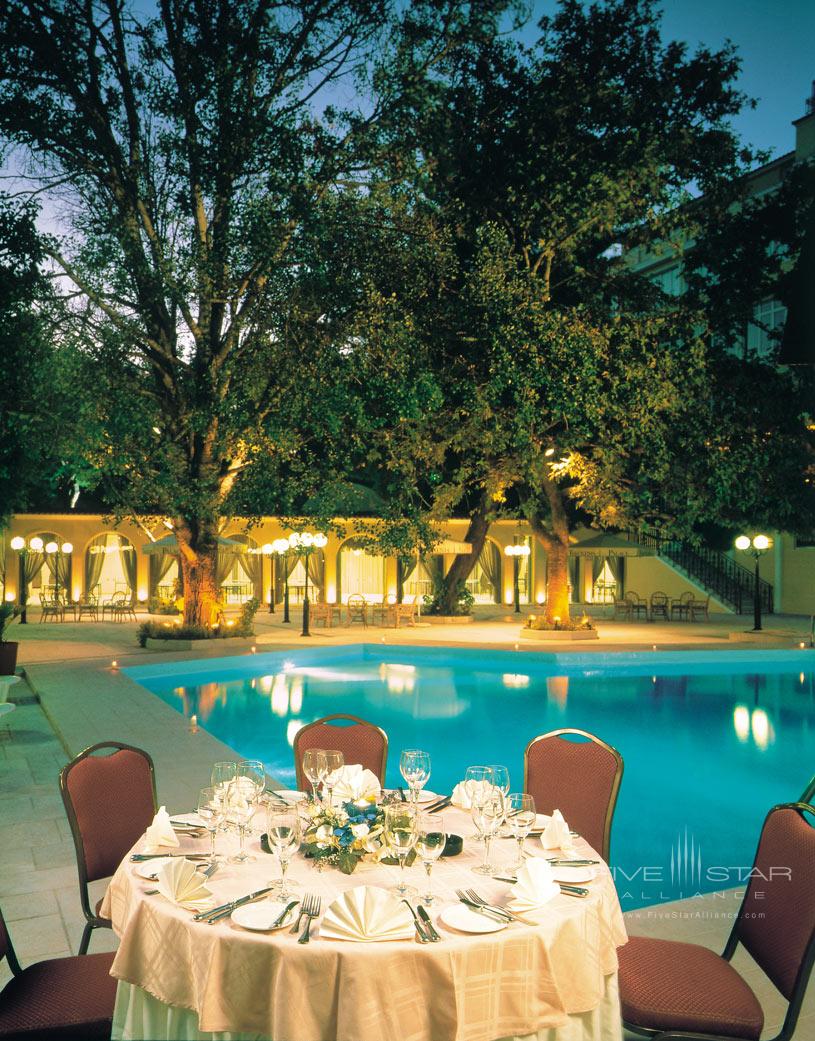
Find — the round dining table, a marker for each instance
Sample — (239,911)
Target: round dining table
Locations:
(552,977)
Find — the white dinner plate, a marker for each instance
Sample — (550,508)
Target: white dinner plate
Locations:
(425,796)
(541,820)
(459,916)
(149,868)
(259,917)
(290,797)
(571,875)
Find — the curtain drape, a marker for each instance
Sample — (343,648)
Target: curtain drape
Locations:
(94,562)
(62,565)
(127,559)
(226,561)
(596,568)
(160,564)
(490,562)
(283,569)
(33,565)
(316,572)
(251,564)
(434,566)
(616,566)
(574,579)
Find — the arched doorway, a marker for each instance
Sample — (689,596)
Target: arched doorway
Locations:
(484,581)
(359,570)
(110,566)
(47,567)
(240,571)
(295,568)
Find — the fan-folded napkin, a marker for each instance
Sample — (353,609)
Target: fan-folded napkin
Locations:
(352,783)
(160,832)
(535,886)
(179,881)
(467,793)
(556,834)
(366,914)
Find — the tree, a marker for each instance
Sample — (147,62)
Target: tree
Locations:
(199,150)
(575,386)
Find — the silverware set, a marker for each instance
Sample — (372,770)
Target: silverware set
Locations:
(439,804)
(215,914)
(311,908)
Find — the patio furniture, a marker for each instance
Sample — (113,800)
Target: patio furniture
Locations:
(356,610)
(623,609)
(658,606)
(698,610)
(404,612)
(110,606)
(580,778)
(58,998)
(358,740)
(673,990)
(639,606)
(52,609)
(123,610)
(679,607)
(110,800)
(88,605)
(324,613)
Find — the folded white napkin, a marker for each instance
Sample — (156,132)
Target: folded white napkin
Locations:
(366,914)
(352,783)
(160,832)
(535,887)
(179,881)
(556,834)
(465,793)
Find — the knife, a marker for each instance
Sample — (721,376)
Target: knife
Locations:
(230,907)
(423,936)
(486,912)
(571,863)
(431,929)
(138,858)
(440,806)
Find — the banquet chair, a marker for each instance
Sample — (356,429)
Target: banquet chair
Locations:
(110,801)
(672,990)
(58,998)
(580,778)
(359,741)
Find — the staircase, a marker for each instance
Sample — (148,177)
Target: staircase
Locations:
(720,576)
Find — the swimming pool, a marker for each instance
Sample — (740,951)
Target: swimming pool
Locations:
(710,739)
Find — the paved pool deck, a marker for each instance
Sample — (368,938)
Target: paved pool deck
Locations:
(72,697)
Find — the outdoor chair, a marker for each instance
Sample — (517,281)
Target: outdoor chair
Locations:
(698,610)
(580,778)
(639,606)
(52,609)
(110,606)
(58,998)
(321,612)
(123,609)
(356,610)
(88,605)
(359,741)
(679,607)
(672,990)
(658,606)
(623,609)
(110,800)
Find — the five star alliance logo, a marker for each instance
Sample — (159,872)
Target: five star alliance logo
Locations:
(686,862)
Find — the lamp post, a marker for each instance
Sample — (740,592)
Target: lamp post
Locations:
(304,544)
(267,549)
(757,545)
(281,547)
(19,547)
(516,551)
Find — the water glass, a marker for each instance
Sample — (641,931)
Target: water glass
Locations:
(520,818)
(283,830)
(414,766)
(401,831)
(239,808)
(334,760)
(487,817)
(500,778)
(211,812)
(251,778)
(314,768)
(431,839)
(481,777)
(222,775)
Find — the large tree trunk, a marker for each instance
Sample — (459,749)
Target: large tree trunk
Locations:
(464,563)
(198,555)
(555,539)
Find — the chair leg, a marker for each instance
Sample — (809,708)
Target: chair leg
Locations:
(86,938)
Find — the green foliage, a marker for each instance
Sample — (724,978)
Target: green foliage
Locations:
(245,624)
(462,601)
(8,612)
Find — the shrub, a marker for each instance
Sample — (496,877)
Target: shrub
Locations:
(539,622)
(464,601)
(164,631)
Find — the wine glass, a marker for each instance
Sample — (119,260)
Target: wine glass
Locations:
(334,760)
(520,818)
(211,812)
(314,768)
(500,778)
(481,778)
(239,807)
(222,775)
(251,778)
(401,829)
(487,816)
(414,766)
(283,829)
(431,839)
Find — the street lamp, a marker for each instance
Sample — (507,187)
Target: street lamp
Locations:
(516,552)
(18,545)
(304,544)
(281,548)
(758,545)
(267,549)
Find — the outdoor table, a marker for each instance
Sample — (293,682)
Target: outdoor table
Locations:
(551,981)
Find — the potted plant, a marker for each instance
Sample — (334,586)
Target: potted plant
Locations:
(8,649)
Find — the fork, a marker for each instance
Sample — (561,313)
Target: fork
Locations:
(311,903)
(476,899)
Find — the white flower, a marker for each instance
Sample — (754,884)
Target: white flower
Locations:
(359,831)
(325,835)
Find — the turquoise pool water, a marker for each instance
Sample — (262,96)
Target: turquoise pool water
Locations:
(710,740)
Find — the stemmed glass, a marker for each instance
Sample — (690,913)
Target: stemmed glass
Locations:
(430,842)
(481,776)
(520,818)
(251,778)
(500,778)
(240,806)
(314,768)
(333,761)
(488,815)
(401,830)
(283,829)
(222,775)
(211,812)
(414,766)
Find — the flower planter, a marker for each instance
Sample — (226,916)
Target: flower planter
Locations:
(447,619)
(559,635)
(156,644)
(8,658)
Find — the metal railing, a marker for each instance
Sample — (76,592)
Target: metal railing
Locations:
(718,573)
